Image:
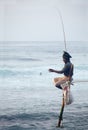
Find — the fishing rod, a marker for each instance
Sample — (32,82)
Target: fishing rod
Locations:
(63,29)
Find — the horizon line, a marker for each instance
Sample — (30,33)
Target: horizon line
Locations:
(43,41)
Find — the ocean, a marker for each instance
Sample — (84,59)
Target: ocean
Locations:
(28,98)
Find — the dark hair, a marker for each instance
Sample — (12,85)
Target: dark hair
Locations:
(66,55)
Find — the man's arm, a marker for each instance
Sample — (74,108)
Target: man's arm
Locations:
(56,71)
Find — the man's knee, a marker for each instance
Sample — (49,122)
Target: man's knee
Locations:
(54,80)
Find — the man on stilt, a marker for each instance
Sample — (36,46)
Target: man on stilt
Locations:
(64,82)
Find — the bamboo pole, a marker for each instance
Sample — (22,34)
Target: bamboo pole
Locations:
(61,112)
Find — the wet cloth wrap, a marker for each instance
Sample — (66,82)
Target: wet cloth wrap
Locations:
(68,98)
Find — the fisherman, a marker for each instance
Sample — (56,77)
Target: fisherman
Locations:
(67,71)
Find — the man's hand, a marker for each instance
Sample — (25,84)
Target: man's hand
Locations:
(51,70)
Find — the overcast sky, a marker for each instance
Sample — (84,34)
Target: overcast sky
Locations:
(39,20)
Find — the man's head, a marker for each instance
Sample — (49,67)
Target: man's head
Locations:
(66,56)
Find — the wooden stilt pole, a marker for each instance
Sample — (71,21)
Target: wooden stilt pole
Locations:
(61,112)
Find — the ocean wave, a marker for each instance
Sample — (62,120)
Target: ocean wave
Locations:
(18,59)
(25,116)
(82,67)
(38,121)
(8,72)
(5,73)
(25,121)
(15,127)
(44,121)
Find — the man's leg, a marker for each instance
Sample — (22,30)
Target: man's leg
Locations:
(56,82)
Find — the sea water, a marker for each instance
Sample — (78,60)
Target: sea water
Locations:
(28,98)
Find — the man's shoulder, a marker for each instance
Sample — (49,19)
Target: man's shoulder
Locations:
(68,64)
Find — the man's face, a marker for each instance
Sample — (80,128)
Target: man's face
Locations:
(64,60)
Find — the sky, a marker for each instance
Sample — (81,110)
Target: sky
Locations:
(39,20)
